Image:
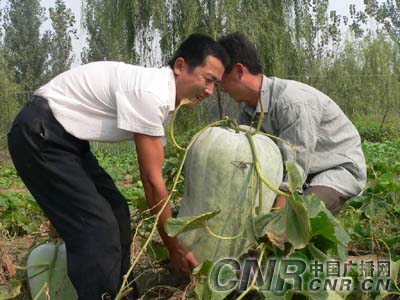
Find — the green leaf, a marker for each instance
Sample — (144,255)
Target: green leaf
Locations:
(322,225)
(227,274)
(392,241)
(175,226)
(157,251)
(325,225)
(271,296)
(10,290)
(261,222)
(250,233)
(297,223)
(313,205)
(394,270)
(203,291)
(203,269)
(295,179)
(317,253)
(394,289)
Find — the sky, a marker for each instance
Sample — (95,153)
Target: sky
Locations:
(341,7)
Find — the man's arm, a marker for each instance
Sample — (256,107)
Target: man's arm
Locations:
(299,127)
(150,151)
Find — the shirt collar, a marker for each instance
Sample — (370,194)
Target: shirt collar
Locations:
(171,88)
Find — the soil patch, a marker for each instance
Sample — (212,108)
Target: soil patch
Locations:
(5,159)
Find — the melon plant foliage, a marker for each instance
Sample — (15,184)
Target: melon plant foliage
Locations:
(305,229)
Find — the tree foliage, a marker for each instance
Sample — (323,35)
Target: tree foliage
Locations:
(61,56)
(106,23)
(302,40)
(299,39)
(387,13)
(26,50)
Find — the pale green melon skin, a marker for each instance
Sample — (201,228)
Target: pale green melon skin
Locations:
(60,286)
(214,180)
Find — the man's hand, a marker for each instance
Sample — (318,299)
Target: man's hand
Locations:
(183,260)
(280,202)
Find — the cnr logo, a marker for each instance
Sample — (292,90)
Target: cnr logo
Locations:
(228,274)
(283,274)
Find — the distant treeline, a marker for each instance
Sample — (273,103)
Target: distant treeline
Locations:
(300,39)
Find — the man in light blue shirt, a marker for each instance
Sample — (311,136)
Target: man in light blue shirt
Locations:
(330,158)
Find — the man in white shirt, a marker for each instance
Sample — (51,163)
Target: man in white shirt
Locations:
(106,101)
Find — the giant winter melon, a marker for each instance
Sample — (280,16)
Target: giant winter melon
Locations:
(220,175)
(47,273)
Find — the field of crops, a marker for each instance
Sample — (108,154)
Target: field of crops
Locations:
(371,220)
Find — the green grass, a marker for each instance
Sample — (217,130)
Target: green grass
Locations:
(372,219)
(9,179)
(372,129)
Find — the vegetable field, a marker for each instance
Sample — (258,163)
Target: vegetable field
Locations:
(371,220)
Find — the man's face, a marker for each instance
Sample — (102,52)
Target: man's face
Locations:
(198,83)
(232,85)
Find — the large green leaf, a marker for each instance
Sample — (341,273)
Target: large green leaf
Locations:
(175,226)
(298,226)
(313,205)
(325,225)
(10,291)
(322,225)
(297,222)
(203,291)
(295,179)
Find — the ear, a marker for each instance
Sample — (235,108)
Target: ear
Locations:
(179,65)
(239,69)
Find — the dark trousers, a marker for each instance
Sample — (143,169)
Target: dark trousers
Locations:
(79,198)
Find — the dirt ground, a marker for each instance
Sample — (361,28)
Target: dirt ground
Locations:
(5,159)
(155,279)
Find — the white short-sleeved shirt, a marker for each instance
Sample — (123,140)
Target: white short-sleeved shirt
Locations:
(108,101)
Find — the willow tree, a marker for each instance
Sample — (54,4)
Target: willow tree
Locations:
(108,31)
(162,24)
(381,84)
(299,39)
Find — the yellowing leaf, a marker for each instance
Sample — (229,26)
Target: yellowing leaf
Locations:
(277,240)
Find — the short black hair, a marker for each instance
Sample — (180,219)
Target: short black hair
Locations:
(196,48)
(241,50)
